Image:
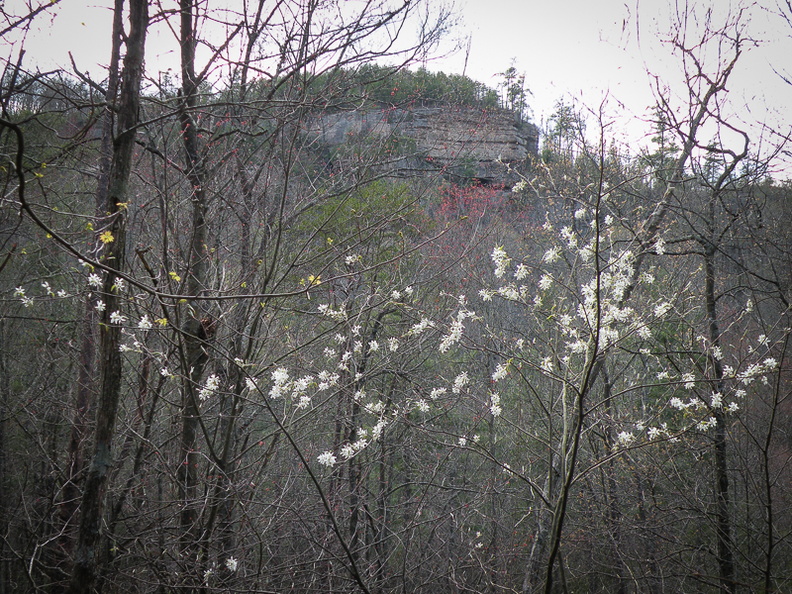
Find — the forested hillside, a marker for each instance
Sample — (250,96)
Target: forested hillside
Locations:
(239,358)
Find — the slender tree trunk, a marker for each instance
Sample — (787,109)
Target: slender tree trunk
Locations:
(92,507)
(5,520)
(85,392)
(614,517)
(725,552)
(196,332)
(539,545)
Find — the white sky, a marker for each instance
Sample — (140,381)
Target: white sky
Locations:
(591,49)
(582,49)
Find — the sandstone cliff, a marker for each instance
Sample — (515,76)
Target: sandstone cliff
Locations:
(462,142)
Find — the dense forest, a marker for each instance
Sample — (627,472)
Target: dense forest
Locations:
(236,360)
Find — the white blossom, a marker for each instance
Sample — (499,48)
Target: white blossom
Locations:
(625,438)
(500,372)
(716,400)
(211,386)
(662,309)
(568,235)
(326,459)
(280,382)
(377,429)
(374,408)
(501,260)
(579,346)
(509,292)
(326,310)
(647,278)
(495,408)
(299,386)
(454,335)
(326,380)
(677,403)
(552,255)
(421,326)
(117,318)
(436,393)
(460,382)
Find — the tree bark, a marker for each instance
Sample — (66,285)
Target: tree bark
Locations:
(725,554)
(85,568)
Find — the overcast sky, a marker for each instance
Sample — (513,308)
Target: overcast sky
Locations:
(581,49)
(592,49)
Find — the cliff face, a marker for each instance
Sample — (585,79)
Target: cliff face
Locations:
(464,142)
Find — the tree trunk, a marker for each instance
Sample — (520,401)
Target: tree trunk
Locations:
(196,332)
(725,553)
(85,564)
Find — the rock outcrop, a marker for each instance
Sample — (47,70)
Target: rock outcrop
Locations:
(461,142)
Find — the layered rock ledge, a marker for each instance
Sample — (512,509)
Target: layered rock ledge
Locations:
(462,142)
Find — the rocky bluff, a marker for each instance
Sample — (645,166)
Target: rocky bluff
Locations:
(465,143)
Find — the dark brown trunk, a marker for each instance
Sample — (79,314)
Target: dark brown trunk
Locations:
(196,332)
(85,569)
(725,553)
